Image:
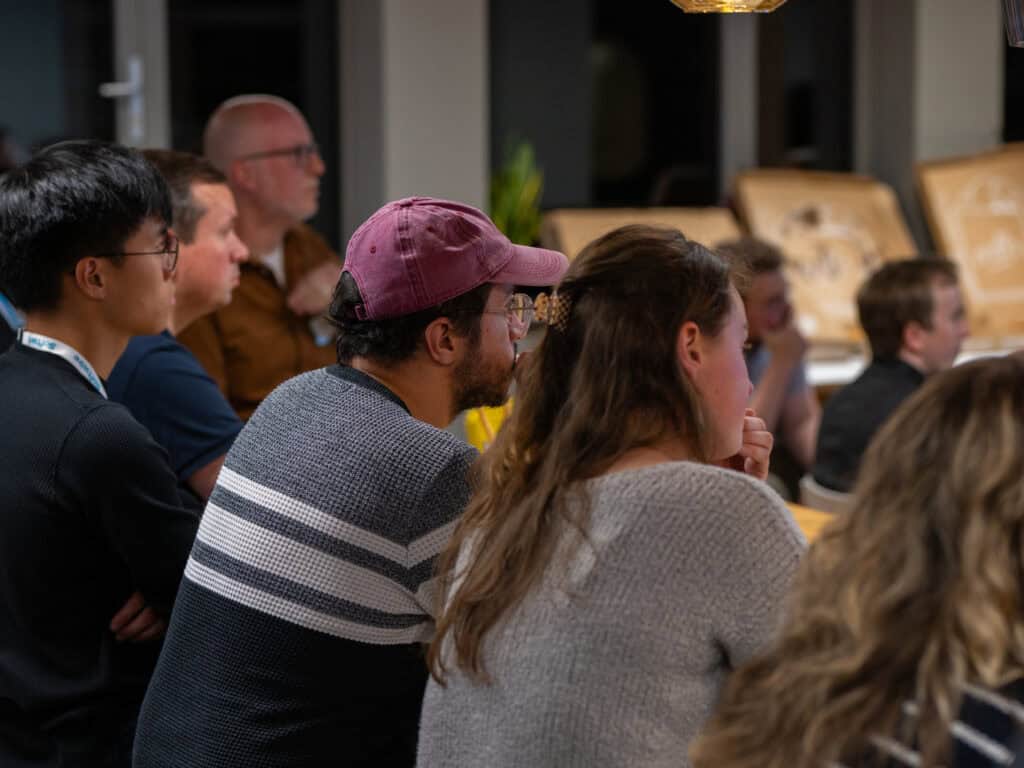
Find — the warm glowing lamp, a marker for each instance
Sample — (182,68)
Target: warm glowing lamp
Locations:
(728,6)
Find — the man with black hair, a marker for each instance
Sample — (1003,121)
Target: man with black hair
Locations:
(310,587)
(92,514)
(159,379)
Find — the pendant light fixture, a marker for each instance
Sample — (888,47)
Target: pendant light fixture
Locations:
(728,6)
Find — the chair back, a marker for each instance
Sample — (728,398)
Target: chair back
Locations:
(817,496)
(568,230)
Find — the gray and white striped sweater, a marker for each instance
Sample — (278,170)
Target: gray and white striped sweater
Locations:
(310,585)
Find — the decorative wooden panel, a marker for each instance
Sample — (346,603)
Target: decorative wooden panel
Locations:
(568,230)
(834,229)
(975,210)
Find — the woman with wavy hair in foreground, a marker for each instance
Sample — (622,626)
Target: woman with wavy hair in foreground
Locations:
(905,642)
(606,577)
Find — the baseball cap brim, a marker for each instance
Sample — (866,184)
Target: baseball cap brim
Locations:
(532,266)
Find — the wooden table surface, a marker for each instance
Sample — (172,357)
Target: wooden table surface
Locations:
(811,521)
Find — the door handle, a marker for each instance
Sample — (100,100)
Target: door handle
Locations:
(132,90)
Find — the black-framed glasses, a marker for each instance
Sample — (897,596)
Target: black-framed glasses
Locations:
(169,252)
(301,154)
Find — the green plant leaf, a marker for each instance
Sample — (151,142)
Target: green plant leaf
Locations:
(516,189)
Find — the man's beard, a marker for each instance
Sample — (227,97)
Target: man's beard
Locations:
(481,383)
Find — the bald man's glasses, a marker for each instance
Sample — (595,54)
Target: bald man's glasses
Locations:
(301,154)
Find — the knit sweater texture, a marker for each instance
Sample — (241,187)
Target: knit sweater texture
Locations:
(618,656)
(295,641)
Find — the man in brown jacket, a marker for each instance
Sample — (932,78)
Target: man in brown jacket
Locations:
(273,327)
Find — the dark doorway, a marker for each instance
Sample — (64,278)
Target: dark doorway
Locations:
(655,78)
(805,88)
(1013,94)
(88,61)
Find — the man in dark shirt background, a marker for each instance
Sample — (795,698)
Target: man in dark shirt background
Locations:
(157,378)
(91,512)
(913,315)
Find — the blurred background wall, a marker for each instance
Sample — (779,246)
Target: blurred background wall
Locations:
(625,103)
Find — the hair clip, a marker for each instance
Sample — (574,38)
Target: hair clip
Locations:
(553,310)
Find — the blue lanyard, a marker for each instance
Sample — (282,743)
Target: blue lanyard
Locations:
(10,315)
(59,348)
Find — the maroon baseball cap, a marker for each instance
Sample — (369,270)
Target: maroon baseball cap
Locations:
(419,252)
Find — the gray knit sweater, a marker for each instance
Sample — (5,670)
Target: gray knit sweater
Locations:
(618,659)
(295,637)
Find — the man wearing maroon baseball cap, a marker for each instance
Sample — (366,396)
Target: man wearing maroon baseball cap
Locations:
(437,278)
(298,627)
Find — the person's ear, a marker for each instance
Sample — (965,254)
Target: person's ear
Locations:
(90,277)
(690,344)
(240,175)
(913,336)
(443,345)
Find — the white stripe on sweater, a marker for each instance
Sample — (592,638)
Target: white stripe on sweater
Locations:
(301,615)
(431,544)
(995,700)
(978,741)
(311,516)
(972,737)
(282,556)
(896,750)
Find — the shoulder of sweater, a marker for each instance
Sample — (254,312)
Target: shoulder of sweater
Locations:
(110,415)
(703,488)
(686,476)
(445,447)
(143,350)
(80,403)
(391,420)
(104,431)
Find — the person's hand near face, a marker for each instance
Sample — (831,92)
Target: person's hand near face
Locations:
(785,342)
(312,294)
(755,452)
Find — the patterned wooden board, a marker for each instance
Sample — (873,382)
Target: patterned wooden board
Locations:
(569,230)
(835,229)
(975,210)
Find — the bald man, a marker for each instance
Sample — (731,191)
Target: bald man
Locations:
(273,328)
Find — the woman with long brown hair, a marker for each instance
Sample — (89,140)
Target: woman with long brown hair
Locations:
(605,577)
(905,641)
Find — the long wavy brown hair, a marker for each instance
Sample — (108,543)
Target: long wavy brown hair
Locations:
(909,596)
(606,383)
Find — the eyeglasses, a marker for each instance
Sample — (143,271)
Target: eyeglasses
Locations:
(300,153)
(518,312)
(169,251)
